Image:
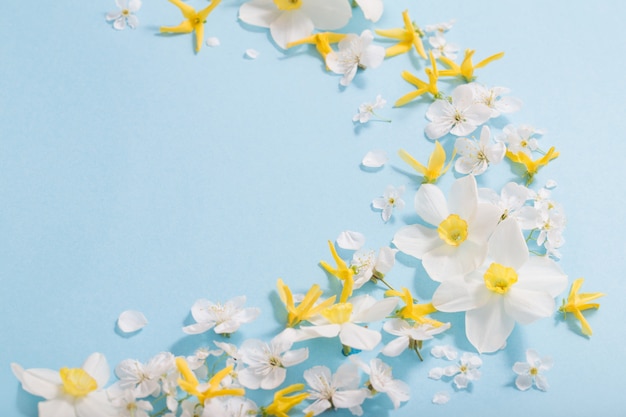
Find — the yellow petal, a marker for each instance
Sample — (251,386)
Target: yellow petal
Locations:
(406,157)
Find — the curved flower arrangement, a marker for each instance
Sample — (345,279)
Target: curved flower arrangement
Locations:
(493,253)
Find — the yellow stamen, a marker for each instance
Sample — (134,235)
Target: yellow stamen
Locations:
(288,4)
(499,278)
(453,230)
(77,382)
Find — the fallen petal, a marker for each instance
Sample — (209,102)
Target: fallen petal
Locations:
(131,321)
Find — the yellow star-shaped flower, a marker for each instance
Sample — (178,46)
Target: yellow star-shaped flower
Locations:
(578,302)
(414,311)
(306,308)
(436,162)
(423,87)
(466,69)
(410,36)
(342,272)
(194,21)
(190,384)
(282,403)
(322,42)
(532,166)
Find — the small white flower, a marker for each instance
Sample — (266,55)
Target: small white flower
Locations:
(408,335)
(492,98)
(531,371)
(350,240)
(146,379)
(267,363)
(129,406)
(459,116)
(367,265)
(476,156)
(230,407)
(367,110)
(340,390)
(381,380)
(440,47)
(355,52)
(372,9)
(512,203)
(440,27)
(446,351)
(224,318)
(131,321)
(441,397)
(391,199)
(522,138)
(124,16)
(465,371)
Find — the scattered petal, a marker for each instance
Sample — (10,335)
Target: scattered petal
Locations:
(446,351)
(131,321)
(252,53)
(375,159)
(441,397)
(350,240)
(213,41)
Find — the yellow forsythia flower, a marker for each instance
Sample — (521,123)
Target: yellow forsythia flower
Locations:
(409,36)
(436,162)
(466,69)
(532,166)
(194,21)
(578,302)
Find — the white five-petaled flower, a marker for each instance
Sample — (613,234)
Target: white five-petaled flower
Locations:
(458,244)
(476,156)
(354,52)
(292,20)
(440,47)
(146,379)
(492,98)
(367,110)
(512,203)
(70,392)
(340,390)
(392,198)
(128,405)
(408,334)
(367,265)
(464,372)
(522,138)
(531,371)
(230,407)
(509,287)
(460,115)
(372,9)
(267,363)
(440,27)
(381,380)
(124,16)
(224,318)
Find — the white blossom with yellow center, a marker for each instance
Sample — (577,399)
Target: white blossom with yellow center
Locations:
(511,286)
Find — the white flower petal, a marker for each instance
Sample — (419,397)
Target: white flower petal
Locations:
(431,205)
(131,321)
(252,53)
(213,41)
(44,383)
(541,382)
(350,240)
(375,159)
(441,397)
(359,337)
(454,295)
(259,12)
(372,9)
(198,328)
(415,240)
(97,367)
(542,274)
(370,310)
(446,262)
(435,373)
(56,407)
(328,14)
(396,346)
(294,357)
(463,197)
(488,327)
(526,306)
(290,26)
(132,21)
(507,245)
(524,382)
(274,378)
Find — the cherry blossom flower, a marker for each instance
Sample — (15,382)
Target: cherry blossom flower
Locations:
(71,392)
(267,363)
(464,372)
(458,244)
(222,318)
(440,27)
(340,390)
(390,200)
(292,20)
(368,266)
(146,379)
(492,98)
(230,407)
(124,16)
(512,203)
(521,138)
(381,380)
(459,116)
(509,287)
(531,371)
(128,406)
(355,52)
(367,110)
(578,302)
(476,156)
(372,9)
(440,47)
(409,336)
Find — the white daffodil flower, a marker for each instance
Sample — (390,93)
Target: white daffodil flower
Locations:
(340,390)
(70,392)
(531,371)
(392,198)
(292,20)
(267,363)
(476,156)
(354,52)
(492,98)
(381,380)
(367,265)
(458,244)
(459,116)
(509,287)
(512,203)
(124,16)
(128,405)
(408,335)
(224,318)
(345,319)
(372,9)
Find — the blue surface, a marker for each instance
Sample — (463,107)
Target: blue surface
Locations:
(135,174)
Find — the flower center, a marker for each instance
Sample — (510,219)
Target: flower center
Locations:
(338,313)
(534,371)
(453,230)
(77,382)
(288,4)
(499,278)
(125,12)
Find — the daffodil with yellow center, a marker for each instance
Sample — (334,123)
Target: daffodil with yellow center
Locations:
(322,42)
(194,21)
(190,384)
(499,278)
(532,167)
(578,302)
(410,36)
(423,87)
(77,382)
(436,163)
(288,4)
(306,308)
(466,69)
(453,230)
(283,403)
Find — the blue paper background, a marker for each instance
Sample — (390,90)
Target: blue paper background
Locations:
(135,174)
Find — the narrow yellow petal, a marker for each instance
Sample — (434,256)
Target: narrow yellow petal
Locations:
(489,59)
(406,157)
(408,97)
(400,48)
(436,161)
(410,78)
(184,27)
(399,34)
